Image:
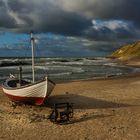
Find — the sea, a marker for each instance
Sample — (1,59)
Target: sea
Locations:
(64,69)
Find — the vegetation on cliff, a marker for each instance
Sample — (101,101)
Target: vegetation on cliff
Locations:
(128,52)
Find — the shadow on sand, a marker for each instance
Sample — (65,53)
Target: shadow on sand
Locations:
(82,102)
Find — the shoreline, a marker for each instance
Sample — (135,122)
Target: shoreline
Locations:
(132,62)
(103,78)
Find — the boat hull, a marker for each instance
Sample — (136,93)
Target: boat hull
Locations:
(31,93)
(27,100)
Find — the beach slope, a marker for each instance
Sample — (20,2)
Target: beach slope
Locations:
(103,109)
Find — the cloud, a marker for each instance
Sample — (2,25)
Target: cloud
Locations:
(52,45)
(97,19)
(104,9)
(111,24)
(43,16)
(111,30)
(6,20)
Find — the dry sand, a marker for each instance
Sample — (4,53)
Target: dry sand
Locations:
(106,109)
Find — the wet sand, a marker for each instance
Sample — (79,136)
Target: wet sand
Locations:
(103,109)
(133,63)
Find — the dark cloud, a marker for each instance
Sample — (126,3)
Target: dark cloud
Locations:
(64,23)
(104,9)
(71,17)
(19,6)
(108,34)
(1,3)
(102,34)
(45,16)
(6,20)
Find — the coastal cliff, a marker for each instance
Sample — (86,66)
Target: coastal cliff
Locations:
(130,54)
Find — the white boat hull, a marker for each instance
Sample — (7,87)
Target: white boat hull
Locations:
(31,93)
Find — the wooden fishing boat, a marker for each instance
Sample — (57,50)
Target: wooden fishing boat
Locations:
(22,90)
(34,93)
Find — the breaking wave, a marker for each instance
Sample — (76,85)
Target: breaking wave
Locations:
(64,68)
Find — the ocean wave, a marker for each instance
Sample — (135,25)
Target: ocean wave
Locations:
(65,68)
(12,63)
(66,62)
(2,78)
(41,67)
(73,63)
(135,70)
(9,68)
(111,64)
(60,74)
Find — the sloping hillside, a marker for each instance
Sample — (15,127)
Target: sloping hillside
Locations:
(128,52)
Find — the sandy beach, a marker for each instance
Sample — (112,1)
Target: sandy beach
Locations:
(107,109)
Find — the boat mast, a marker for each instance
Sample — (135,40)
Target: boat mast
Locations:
(33,66)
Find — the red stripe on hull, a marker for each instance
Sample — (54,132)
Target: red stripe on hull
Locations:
(31,100)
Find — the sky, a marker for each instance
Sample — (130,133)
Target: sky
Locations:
(71,27)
